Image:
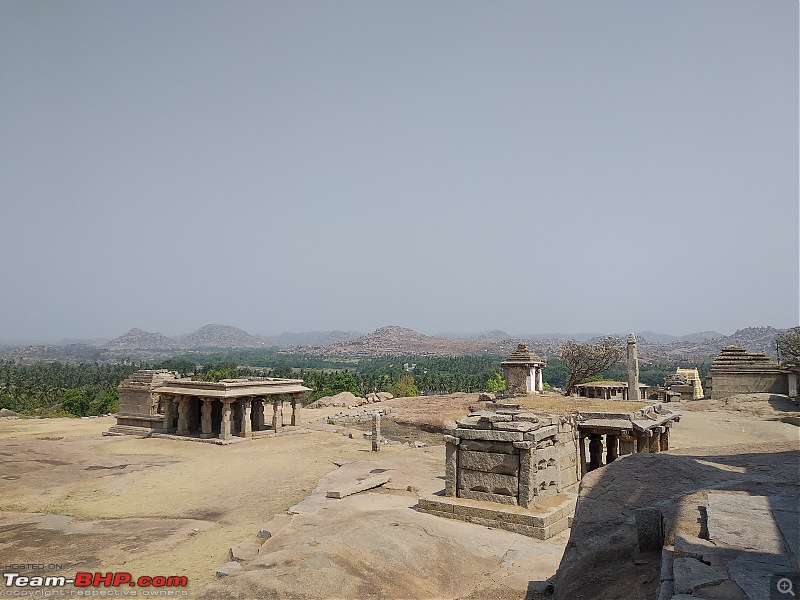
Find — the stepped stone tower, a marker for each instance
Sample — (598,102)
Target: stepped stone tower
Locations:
(737,371)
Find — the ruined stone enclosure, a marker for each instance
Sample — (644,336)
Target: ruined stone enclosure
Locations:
(158,403)
(510,457)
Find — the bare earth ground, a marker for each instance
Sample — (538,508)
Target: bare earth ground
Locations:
(163,507)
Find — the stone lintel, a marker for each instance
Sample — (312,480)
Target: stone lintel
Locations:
(489,435)
(488,446)
(540,434)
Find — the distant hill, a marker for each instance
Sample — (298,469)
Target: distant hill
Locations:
(219,336)
(139,339)
(308,338)
(394,340)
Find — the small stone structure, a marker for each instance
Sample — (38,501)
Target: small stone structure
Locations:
(684,384)
(609,390)
(157,402)
(516,470)
(511,456)
(523,369)
(736,371)
(139,403)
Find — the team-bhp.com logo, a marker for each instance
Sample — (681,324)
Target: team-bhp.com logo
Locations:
(88,583)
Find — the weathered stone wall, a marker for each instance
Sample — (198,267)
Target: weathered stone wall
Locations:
(138,405)
(729,384)
(517,380)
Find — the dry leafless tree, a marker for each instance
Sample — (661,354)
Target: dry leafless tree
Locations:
(585,360)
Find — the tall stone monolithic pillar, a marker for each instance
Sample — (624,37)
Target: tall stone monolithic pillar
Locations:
(633,369)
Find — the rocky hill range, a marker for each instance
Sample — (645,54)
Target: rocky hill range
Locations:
(386,341)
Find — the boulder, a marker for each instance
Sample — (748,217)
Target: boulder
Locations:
(229,568)
(5,412)
(340,399)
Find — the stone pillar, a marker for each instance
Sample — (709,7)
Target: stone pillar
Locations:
(277,413)
(183,416)
(642,442)
(225,422)
(258,407)
(527,468)
(633,369)
(169,416)
(611,448)
(595,451)
(539,384)
(582,454)
(451,466)
(664,442)
(295,411)
(376,431)
(205,420)
(791,378)
(655,441)
(246,427)
(627,445)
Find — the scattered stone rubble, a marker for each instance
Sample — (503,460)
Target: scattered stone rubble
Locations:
(349,400)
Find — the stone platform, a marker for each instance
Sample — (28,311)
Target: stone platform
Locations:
(255,435)
(542,521)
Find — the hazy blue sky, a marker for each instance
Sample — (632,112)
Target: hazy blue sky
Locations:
(446,166)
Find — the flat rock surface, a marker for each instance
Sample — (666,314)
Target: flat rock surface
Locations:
(743,521)
(374,544)
(690,574)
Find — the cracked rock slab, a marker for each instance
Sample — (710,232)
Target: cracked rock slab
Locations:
(691,574)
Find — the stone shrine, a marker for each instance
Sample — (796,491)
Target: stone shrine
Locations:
(523,369)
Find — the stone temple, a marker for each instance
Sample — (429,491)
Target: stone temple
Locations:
(159,403)
(737,371)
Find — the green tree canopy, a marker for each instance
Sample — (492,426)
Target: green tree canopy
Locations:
(789,347)
(404,387)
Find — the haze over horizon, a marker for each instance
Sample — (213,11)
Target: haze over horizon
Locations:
(537,167)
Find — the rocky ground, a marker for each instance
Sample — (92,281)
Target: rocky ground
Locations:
(155,506)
